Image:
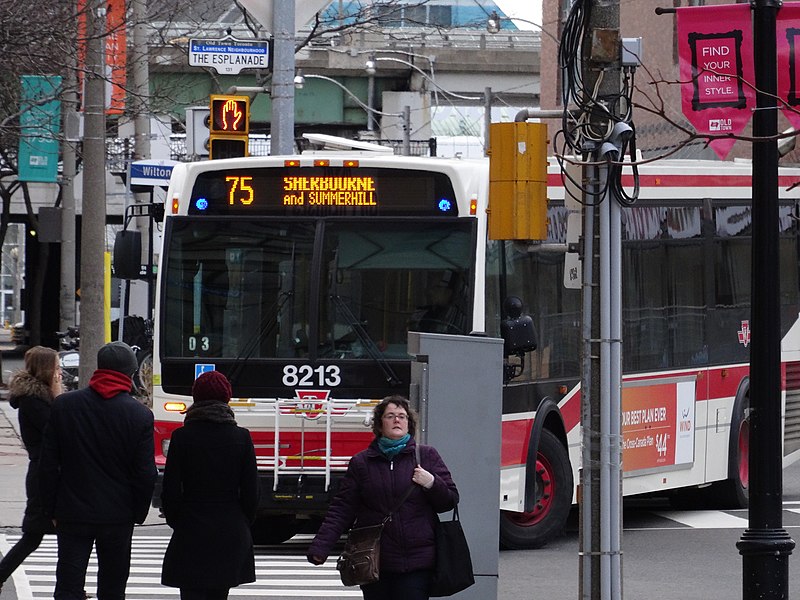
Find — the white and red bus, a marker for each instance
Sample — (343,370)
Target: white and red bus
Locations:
(299,278)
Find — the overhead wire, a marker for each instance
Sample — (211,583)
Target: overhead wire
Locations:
(588,120)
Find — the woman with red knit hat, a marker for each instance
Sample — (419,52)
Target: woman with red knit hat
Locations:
(209,497)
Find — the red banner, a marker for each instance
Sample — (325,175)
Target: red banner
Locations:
(715,50)
(115,55)
(788,42)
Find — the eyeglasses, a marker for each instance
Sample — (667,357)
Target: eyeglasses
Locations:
(392,417)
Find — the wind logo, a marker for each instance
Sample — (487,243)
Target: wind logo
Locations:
(685,423)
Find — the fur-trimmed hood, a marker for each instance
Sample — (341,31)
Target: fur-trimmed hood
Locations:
(24,384)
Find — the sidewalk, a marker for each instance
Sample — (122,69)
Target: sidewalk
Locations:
(13,466)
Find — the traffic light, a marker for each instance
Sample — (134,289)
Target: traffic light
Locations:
(197,133)
(518,181)
(228,126)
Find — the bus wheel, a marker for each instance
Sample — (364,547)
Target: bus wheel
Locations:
(735,492)
(519,531)
(274,529)
(144,377)
(732,493)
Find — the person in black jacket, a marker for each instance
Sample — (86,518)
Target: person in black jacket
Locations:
(97,474)
(210,497)
(31,392)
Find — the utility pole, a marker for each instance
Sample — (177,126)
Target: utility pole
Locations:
(600,515)
(141,86)
(283,63)
(69,111)
(140,101)
(765,546)
(93,221)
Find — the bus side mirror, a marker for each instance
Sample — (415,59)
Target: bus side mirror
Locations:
(517,330)
(519,335)
(128,254)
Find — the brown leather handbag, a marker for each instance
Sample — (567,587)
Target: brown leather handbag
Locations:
(360,561)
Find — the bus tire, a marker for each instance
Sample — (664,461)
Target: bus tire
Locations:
(521,531)
(735,491)
(732,493)
(273,529)
(143,380)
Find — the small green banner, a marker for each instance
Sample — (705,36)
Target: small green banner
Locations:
(40,126)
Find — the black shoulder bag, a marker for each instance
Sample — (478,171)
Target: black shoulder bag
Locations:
(453,572)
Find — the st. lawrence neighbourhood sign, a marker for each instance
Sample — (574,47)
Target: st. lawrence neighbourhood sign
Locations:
(228,55)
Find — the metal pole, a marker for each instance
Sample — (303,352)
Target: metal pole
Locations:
(589,474)
(406,131)
(605,387)
(487,118)
(141,125)
(67,314)
(600,566)
(93,221)
(765,546)
(371,100)
(282,119)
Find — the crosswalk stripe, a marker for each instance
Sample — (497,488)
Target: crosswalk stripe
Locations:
(705,519)
(278,575)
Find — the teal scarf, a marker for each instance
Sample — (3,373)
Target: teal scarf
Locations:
(391,448)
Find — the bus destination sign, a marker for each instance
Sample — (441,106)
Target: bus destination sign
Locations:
(323,191)
(329,191)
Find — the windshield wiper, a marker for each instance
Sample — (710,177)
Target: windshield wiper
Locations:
(369,345)
(265,327)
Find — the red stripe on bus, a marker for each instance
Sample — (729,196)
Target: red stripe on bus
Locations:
(669,181)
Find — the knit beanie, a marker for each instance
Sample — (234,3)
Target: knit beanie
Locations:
(211,386)
(117,356)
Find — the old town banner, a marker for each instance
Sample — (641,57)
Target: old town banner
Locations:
(715,50)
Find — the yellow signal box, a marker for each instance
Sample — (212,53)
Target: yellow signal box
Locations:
(518,181)
(228,126)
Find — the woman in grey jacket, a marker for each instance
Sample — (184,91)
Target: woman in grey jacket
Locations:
(375,481)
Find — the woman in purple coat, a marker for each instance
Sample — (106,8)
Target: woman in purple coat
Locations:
(375,481)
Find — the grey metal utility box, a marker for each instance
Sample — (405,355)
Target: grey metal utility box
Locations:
(457,389)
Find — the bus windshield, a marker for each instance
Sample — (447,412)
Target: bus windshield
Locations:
(336,289)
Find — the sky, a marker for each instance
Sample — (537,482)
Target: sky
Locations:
(530,10)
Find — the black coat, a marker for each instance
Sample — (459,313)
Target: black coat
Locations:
(32,398)
(371,487)
(209,498)
(97,464)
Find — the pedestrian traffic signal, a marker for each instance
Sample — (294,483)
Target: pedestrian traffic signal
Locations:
(229,126)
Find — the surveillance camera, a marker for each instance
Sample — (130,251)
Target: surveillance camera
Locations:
(787,144)
(608,151)
(621,133)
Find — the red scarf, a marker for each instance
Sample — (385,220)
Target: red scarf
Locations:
(109,383)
